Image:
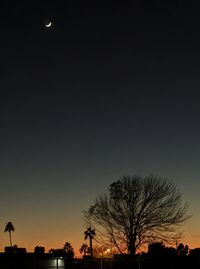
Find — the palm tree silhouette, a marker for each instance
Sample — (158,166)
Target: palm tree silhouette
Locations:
(90,233)
(9,228)
(68,250)
(84,249)
(68,247)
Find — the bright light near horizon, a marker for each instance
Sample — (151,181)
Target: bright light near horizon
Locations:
(108,251)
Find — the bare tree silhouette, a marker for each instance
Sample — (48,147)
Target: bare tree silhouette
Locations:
(136,211)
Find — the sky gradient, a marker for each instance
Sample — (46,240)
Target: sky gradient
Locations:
(111,89)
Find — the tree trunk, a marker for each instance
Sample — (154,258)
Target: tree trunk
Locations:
(131,247)
(10,238)
(132,251)
(91,250)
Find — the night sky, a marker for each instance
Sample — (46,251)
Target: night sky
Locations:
(111,89)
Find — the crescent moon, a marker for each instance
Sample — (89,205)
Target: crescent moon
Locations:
(48,24)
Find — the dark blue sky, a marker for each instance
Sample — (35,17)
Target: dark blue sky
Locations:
(111,89)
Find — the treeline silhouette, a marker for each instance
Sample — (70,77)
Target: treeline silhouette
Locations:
(158,256)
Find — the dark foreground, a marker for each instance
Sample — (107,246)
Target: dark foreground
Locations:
(46,261)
